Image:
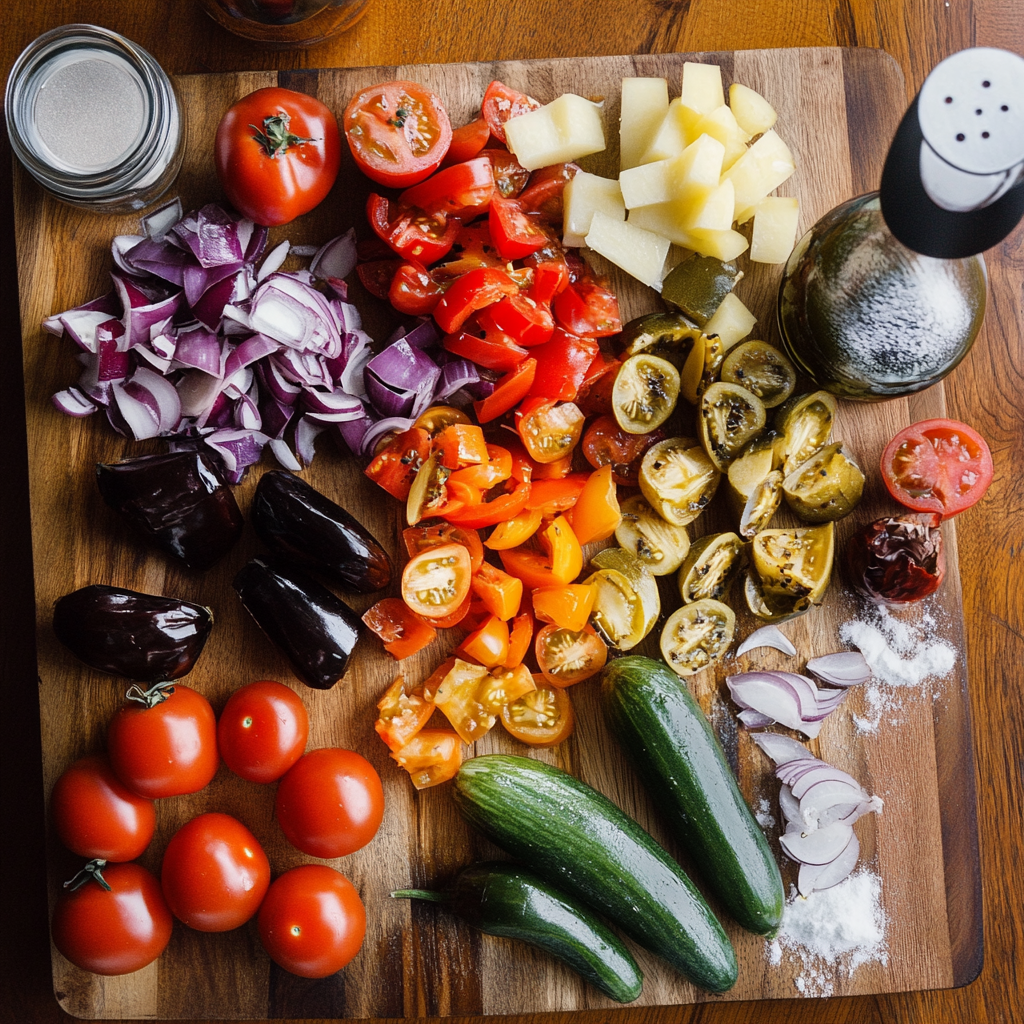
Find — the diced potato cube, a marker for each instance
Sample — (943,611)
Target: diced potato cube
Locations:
(584,195)
(674,134)
(764,166)
(702,87)
(700,163)
(644,106)
(565,129)
(720,124)
(648,183)
(753,112)
(689,177)
(723,245)
(774,232)
(638,252)
(732,321)
(715,213)
(661,218)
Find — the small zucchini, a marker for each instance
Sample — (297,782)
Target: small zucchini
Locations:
(577,839)
(673,748)
(510,901)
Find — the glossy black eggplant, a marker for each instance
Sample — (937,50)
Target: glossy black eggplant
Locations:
(143,637)
(177,501)
(302,617)
(297,520)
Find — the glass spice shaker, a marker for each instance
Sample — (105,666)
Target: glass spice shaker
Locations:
(94,119)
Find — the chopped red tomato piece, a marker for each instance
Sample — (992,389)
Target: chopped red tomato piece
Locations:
(420,538)
(413,290)
(396,466)
(472,291)
(527,322)
(472,250)
(510,176)
(430,757)
(495,511)
(556,470)
(586,308)
(508,392)
(404,710)
(513,532)
(461,444)
(376,275)
(413,234)
(500,103)
(489,644)
(496,470)
(402,631)
(606,444)
(461,189)
(467,142)
(562,365)
(514,234)
(500,593)
(491,348)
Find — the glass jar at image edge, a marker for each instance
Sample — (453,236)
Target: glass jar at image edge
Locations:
(285,24)
(94,119)
(867,318)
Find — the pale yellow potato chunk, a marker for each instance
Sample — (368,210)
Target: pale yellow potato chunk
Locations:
(753,112)
(584,195)
(565,129)
(732,321)
(674,134)
(720,124)
(702,87)
(765,165)
(643,109)
(774,231)
(640,253)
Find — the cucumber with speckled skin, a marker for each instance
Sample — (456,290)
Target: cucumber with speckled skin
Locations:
(670,742)
(579,841)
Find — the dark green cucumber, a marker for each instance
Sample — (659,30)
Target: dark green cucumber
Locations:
(671,744)
(578,840)
(507,900)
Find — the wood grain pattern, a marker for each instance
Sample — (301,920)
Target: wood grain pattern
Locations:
(413,964)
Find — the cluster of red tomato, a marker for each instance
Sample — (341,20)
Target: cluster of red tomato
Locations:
(115,917)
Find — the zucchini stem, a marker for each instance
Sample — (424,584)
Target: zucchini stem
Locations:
(420,894)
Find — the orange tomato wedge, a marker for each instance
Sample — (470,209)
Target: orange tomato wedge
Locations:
(568,606)
(402,631)
(489,644)
(461,444)
(500,593)
(430,757)
(596,515)
(519,639)
(404,711)
(554,496)
(514,531)
(563,549)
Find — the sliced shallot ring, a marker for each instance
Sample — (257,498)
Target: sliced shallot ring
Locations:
(820,773)
(844,668)
(781,749)
(814,877)
(788,804)
(767,636)
(771,695)
(825,794)
(822,846)
(752,719)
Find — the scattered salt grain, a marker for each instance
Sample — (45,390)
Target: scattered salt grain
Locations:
(764,815)
(901,654)
(831,933)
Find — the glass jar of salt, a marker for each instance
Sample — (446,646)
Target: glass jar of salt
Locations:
(94,119)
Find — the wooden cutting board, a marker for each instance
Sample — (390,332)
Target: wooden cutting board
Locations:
(837,110)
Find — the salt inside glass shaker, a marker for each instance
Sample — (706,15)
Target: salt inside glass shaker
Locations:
(94,119)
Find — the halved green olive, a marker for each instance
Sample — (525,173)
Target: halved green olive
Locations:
(639,578)
(827,486)
(794,563)
(710,566)
(669,335)
(645,393)
(678,479)
(618,613)
(697,635)
(730,417)
(657,543)
(762,369)
(804,423)
(771,607)
(697,286)
(762,504)
(701,366)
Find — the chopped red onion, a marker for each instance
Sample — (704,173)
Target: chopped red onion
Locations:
(754,719)
(353,431)
(815,877)
(336,258)
(74,403)
(121,245)
(307,430)
(402,367)
(287,309)
(200,349)
(780,748)
(274,260)
(845,668)
(237,448)
(767,636)
(158,222)
(284,455)
(818,848)
(786,697)
(390,424)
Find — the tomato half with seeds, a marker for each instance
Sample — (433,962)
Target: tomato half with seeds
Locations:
(330,802)
(510,176)
(97,816)
(566,656)
(606,444)
(402,712)
(395,466)
(412,289)
(588,309)
(420,538)
(277,154)
(116,927)
(540,718)
(431,757)
(938,465)
(436,581)
(214,873)
(462,190)
(312,921)
(409,231)
(549,430)
(544,193)
(398,132)
(514,234)
(262,730)
(501,103)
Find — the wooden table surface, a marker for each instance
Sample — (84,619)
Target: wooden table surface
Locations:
(984,391)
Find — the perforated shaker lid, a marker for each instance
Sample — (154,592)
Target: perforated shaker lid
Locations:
(953,182)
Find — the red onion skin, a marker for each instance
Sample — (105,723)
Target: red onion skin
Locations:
(898,559)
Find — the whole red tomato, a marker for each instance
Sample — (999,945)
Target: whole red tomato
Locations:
(312,921)
(262,730)
(97,816)
(163,742)
(214,873)
(277,154)
(330,802)
(114,930)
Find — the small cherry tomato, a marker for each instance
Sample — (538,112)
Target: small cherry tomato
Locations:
(312,921)
(606,444)
(330,802)
(262,730)
(467,142)
(402,712)
(566,657)
(436,581)
(112,927)
(500,103)
(419,538)
(937,465)
(277,154)
(163,742)
(413,290)
(97,816)
(214,873)
(398,132)
(548,429)
(540,718)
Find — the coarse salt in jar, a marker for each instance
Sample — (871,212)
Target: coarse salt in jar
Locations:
(94,119)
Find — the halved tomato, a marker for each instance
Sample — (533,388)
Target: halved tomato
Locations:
(410,232)
(500,103)
(420,538)
(510,176)
(586,308)
(436,581)
(548,429)
(526,321)
(430,757)
(568,606)
(472,291)
(462,190)
(540,718)
(596,515)
(567,656)
(606,444)
(508,392)
(500,592)
(512,532)
(412,289)
(404,711)
(467,142)
(514,234)
(562,365)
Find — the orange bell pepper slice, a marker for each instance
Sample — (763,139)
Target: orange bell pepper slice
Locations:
(461,444)
(554,496)
(489,644)
(514,531)
(519,639)
(561,565)
(596,515)
(568,606)
(488,513)
(500,593)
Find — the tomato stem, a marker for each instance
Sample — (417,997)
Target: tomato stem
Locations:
(93,870)
(156,694)
(275,138)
